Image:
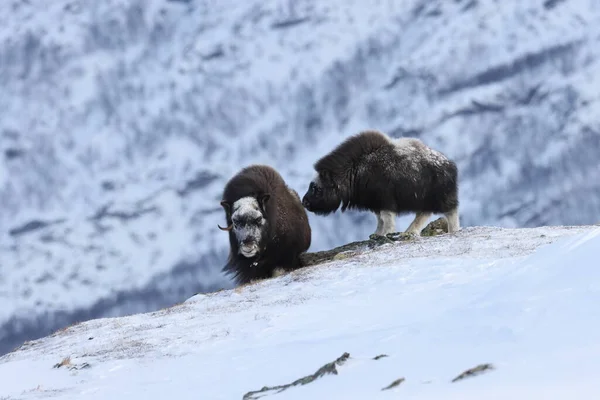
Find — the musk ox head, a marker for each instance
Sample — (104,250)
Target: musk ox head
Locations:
(323,195)
(248,223)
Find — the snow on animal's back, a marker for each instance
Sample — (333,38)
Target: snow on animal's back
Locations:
(416,149)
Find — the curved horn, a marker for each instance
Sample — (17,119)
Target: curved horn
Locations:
(230,227)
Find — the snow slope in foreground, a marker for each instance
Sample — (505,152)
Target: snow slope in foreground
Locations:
(524,300)
(122,121)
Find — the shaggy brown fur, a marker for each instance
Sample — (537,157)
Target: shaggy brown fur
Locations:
(370,171)
(284,235)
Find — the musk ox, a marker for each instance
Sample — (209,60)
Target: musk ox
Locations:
(267,224)
(372,172)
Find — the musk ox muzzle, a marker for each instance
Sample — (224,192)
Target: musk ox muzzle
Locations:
(248,225)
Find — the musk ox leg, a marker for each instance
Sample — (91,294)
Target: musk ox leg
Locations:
(379,224)
(418,223)
(386,222)
(453,221)
(277,272)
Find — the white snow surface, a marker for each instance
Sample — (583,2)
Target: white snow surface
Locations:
(122,120)
(523,300)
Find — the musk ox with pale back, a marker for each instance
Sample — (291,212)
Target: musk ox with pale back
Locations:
(373,172)
(267,224)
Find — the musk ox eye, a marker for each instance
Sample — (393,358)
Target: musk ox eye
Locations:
(257,220)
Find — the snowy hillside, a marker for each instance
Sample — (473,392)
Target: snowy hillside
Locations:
(520,305)
(121,121)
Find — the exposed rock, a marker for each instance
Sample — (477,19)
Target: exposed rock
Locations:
(481,368)
(395,383)
(66,362)
(344,251)
(400,236)
(437,227)
(329,368)
(344,255)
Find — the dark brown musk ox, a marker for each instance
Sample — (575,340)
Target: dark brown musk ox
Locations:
(267,224)
(370,171)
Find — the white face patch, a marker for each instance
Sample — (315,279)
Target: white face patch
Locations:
(247,225)
(246,205)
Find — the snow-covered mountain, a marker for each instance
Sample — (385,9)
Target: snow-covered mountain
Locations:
(122,120)
(405,320)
